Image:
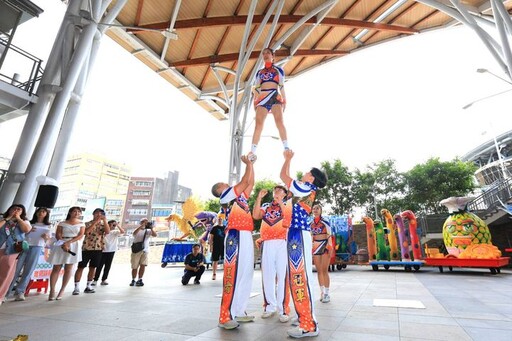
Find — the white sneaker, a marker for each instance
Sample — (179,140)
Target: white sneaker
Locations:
(295,321)
(76,291)
(246,318)
(298,333)
(231,324)
(326,298)
(19,297)
(284,318)
(267,314)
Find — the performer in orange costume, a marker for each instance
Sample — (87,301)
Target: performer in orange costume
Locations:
(238,250)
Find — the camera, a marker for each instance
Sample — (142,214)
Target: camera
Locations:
(149,225)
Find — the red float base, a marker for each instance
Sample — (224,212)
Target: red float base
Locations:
(492,264)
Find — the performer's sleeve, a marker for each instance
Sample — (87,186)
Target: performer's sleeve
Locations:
(299,188)
(281,76)
(228,195)
(257,81)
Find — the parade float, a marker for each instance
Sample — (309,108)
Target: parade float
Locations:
(467,240)
(343,241)
(382,242)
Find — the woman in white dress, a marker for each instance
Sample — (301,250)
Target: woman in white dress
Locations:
(67,250)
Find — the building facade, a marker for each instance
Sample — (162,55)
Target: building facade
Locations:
(153,198)
(94,179)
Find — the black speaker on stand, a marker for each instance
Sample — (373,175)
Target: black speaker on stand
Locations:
(47,196)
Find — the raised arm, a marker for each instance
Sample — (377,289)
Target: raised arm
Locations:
(247,179)
(285,170)
(256,210)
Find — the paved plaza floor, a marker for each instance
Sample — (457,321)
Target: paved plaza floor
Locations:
(365,305)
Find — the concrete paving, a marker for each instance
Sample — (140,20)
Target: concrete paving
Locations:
(466,304)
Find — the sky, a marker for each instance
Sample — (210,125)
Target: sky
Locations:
(400,100)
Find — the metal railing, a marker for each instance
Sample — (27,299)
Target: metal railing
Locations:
(493,198)
(18,58)
(3,173)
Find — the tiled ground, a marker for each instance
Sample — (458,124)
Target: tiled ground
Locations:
(459,305)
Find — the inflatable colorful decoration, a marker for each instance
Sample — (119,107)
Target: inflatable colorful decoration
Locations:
(463,228)
(402,238)
(370,236)
(413,232)
(390,225)
(382,248)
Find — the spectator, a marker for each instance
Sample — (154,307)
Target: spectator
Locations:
(216,241)
(27,260)
(66,250)
(194,265)
(92,248)
(13,227)
(274,256)
(139,260)
(110,248)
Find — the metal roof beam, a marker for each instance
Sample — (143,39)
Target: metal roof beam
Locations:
(231,57)
(258,19)
(170,28)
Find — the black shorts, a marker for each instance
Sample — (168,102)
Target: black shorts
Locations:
(217,252)
(93,257)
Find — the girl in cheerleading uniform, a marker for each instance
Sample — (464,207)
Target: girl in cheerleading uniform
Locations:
(322,250)
(269,96)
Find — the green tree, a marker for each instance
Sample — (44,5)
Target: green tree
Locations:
(433,181)
(212,205)
(379,186)
(337,194)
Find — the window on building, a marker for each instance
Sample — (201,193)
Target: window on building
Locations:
(143,184)
(138,202)
(138,212)
(141,193)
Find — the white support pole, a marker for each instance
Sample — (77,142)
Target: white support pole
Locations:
(35,119)
(488,41)
(39,161)
(60,152)
(503,23)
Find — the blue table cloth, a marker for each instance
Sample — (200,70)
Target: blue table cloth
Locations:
(175,252)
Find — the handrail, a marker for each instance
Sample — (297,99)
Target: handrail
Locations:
(36,70)
(490,199)
(3,173)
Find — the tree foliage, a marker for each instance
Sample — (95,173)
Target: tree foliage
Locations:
(382,185)
(337,194)
(433,181)
(379,186)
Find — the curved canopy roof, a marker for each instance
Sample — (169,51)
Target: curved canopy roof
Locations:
(196,44)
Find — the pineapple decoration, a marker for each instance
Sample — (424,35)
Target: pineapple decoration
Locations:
(463,228)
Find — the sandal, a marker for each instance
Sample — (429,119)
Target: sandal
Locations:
(213,277)
(51,297)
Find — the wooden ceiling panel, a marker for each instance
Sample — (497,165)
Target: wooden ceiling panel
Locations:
(220,8)
(195,74)
(211,31)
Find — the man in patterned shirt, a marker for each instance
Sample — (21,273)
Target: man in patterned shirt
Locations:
(92,248)
(239,249)
(300,245)
(276,292)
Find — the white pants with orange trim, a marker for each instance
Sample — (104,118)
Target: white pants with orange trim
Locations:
(274,263)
